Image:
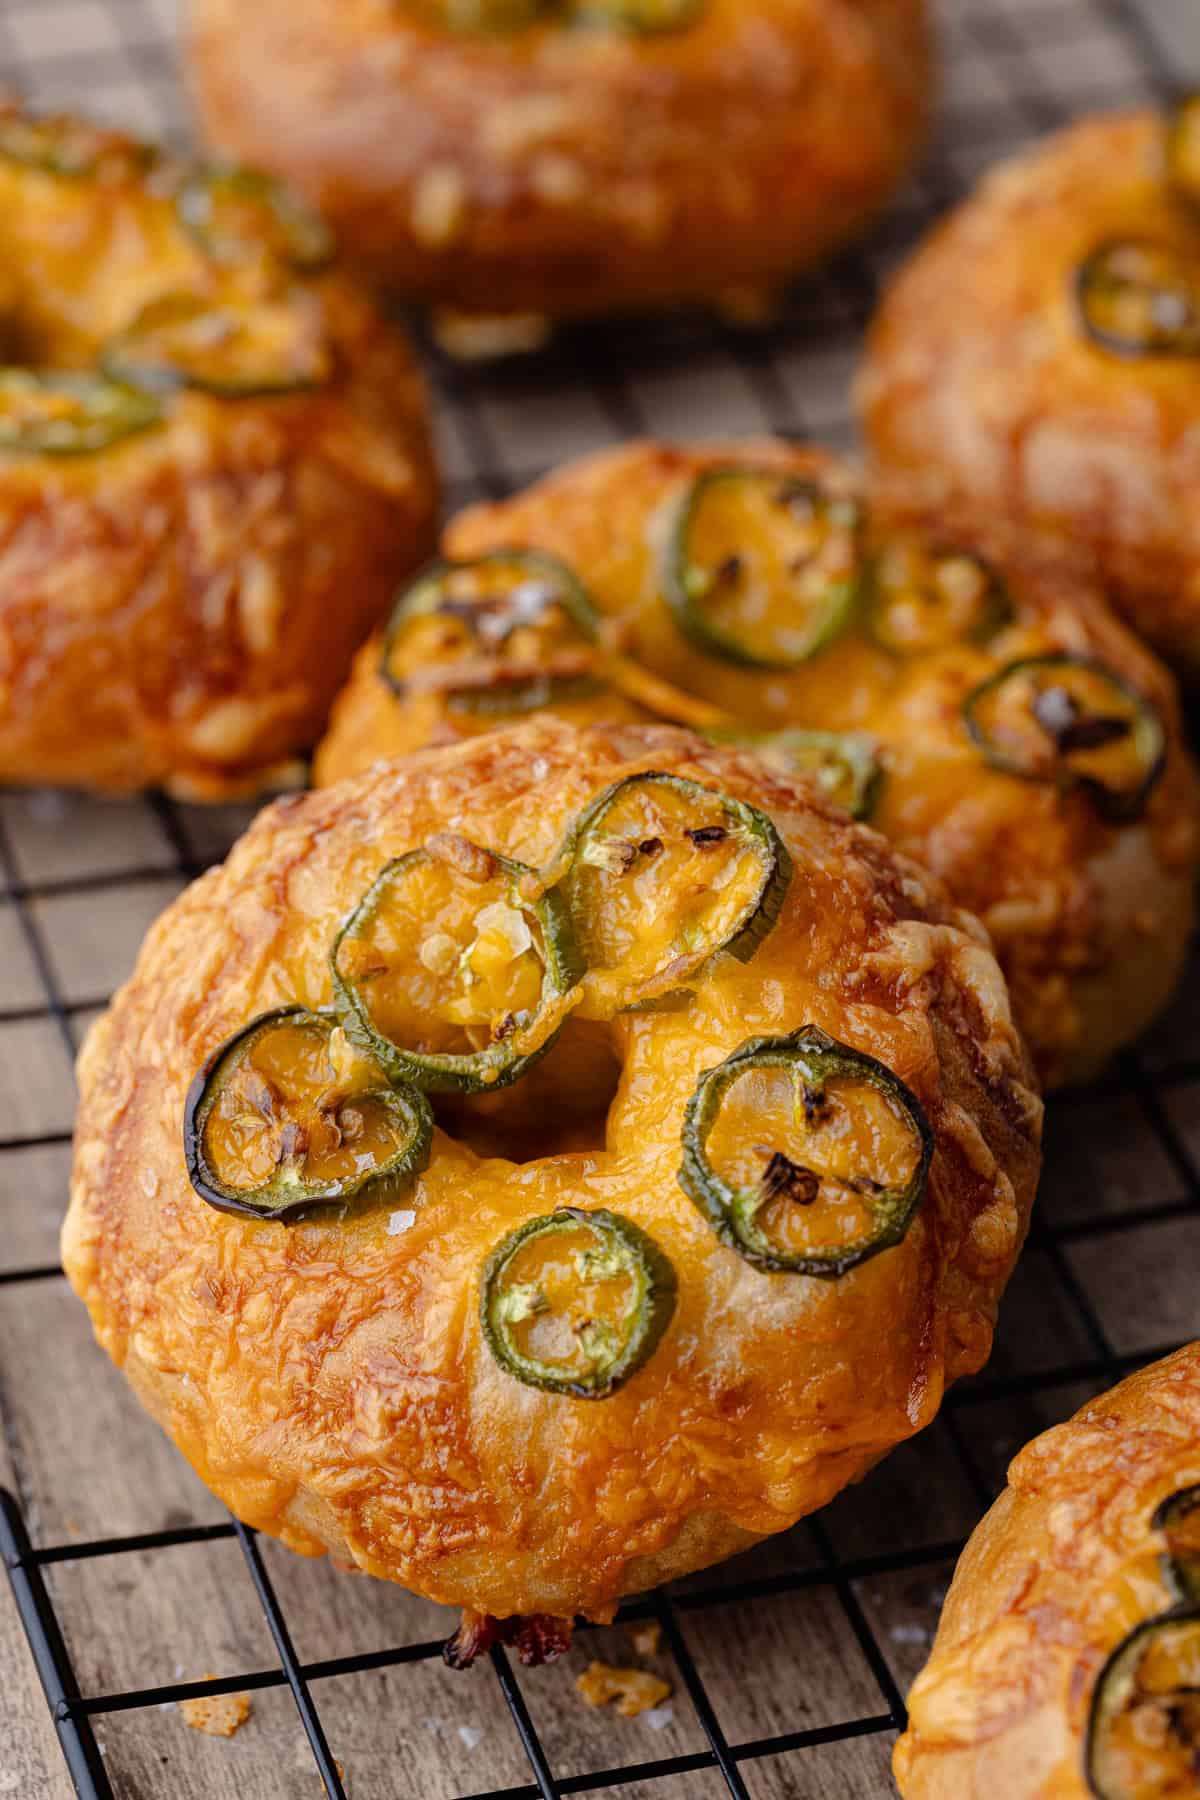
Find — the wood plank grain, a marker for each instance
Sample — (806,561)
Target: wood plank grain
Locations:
(37,1084)
(92,938)
(33,1199)
(31,1762)
(154,1755)
(89,1461)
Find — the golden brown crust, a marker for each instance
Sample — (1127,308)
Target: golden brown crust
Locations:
(180,608)
(1062,1567)
(557,171)
(1090,922)
(330,1381)
(981,392)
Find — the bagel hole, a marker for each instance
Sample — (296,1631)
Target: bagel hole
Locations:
(559,1108)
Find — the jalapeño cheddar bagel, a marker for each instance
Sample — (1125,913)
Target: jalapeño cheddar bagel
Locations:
(214,466)
(541,1166)
(1038,360)
(1067,1662)
(554,157)
(989,717)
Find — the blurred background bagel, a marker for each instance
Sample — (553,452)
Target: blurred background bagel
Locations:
(550,160)
(214,466)
(1037,361)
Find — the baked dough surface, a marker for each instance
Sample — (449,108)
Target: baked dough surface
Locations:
(558,170)
(1063,1566)
(180,608)
(1090,921)
(330,1381)
(981,391)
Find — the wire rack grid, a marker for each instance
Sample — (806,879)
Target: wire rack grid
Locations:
(788,1664)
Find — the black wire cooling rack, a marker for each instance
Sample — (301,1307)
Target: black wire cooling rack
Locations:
(1104,1285)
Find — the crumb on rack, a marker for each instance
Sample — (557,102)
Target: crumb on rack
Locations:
(634,1690)
(645,1637)
(220,1715)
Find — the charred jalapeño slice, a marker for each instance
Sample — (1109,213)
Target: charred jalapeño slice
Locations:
(287,1117)
(1143,1734)
(232,212)
(763,569)
(923,597)
(645,16)
(843,764)
(1141,299)
(805,1156)
(232,349)
(58,144)
(1178,1518)
(52,413)
(1072,722)
(1183,148)
(661,874)
(505,633)
(453,969)
(576,1302)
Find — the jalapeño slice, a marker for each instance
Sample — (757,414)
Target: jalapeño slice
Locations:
(287,1118)
(804,1155)
(576,1302)
(504,633)
(1075,723)
(662,873)
(763,569)
(644,16)
(1143,1733)
(453,968)
(922,597)
(843,764)
(232,212)
(1183,148)
(232,349)
(1178,1518)
(59,144)
(56,413)
(1139,298)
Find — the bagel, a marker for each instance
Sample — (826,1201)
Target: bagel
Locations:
(214,466)
(1067,1661)
(526,1384)
(1000,382)
(577,162)
(1089,904)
